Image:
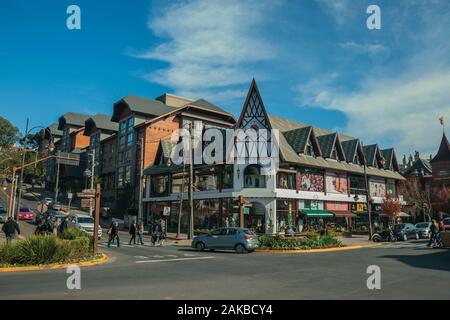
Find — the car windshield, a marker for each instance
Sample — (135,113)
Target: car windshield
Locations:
(422,225)
(85,220)
(398,226)
(24,210)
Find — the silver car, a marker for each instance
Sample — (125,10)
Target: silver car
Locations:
(241,240)
(423,230)
(3,215)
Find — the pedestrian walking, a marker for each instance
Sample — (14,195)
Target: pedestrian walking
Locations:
(155,233)
(434,228)
(63,226)
(140,232)
(9,228)
(56,226)
(132,232)
(113,233)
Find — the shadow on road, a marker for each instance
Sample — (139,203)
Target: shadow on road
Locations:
(439,260)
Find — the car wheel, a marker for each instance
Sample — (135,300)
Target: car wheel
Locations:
(200,246)
(405,237)
(240,248)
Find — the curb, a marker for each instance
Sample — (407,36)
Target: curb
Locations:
(321,250)
(101,260)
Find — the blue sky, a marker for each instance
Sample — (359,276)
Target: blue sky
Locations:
(315,61)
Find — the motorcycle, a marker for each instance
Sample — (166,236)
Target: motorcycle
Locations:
(384,236)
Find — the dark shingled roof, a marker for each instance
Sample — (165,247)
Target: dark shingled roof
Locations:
(370,153)
(141,105)
(298,138)
(443,153)
(102,122)
(326,143)
(72,119)
(349,147)
(388,155)
(53,128)
(207,105)
(418,166)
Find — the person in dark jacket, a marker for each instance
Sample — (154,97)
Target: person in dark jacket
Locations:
(132,232)
(9,228)
(63,226)
(434,229)
(114,234)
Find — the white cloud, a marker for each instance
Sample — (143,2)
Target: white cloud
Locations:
(367,48)
(210,43)
(404,110)
(341,10)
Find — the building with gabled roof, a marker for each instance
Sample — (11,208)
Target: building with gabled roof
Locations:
(320,175)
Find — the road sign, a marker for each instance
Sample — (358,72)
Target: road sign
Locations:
(85,195)
(246,210)
(69,195)
(166,211)
(86,203)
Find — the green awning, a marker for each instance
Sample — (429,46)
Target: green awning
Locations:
(317,213)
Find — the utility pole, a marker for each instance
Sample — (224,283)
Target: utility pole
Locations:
(191,184)
(57,180)
(180,213)
(241,211)
(92,180)
(96,218)
(141,182)
(21,172)
(369,209)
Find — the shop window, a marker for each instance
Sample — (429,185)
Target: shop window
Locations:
(286,180)
(159,185)
(286,214)
(311,180)
(177,183)
(227,177)
(206,179)
(357,185)
(253,177)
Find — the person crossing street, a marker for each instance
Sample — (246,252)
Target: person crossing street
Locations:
(9,228)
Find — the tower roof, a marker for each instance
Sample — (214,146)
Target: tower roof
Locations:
(443,153)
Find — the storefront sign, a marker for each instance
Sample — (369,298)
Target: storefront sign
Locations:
(336,206)
(359,207)
(336,182)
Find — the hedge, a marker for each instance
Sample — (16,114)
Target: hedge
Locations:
(45,249)
(309,242)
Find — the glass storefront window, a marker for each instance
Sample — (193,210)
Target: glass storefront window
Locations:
(286,180)
(159,185)
(177,183)
(227,177)
(206,179)
(286,214)
(357,185)
(390,188)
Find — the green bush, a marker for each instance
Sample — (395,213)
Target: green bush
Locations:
(73,233)
(310,242)
(45,249)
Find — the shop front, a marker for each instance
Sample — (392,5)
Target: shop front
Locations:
(313,215)
(344,219)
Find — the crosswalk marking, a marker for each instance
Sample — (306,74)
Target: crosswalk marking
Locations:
(402,245)
(175,259)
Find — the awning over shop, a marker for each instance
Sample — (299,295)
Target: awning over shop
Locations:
(344,214)
(317,213)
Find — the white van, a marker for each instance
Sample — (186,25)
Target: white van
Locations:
(83,222)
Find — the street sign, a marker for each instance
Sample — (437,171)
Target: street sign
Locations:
(166,211)
(246,210)
(69,195)
(85,195)
(86,203)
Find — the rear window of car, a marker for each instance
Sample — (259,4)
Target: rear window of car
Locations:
(398,226)
(3,210)
(85,220)
(24,210)
(249,232)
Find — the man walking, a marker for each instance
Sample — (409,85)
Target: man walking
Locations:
(132,232)
(9,228)
(114,234)
(140,232)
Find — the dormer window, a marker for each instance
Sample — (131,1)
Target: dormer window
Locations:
(309,150)
(334,154)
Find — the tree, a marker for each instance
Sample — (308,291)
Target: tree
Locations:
(391,207)
(8,134)
(417,194)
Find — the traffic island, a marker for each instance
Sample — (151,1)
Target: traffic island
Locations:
(97,260)
(312,250)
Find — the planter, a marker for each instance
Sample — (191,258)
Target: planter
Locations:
(445,236)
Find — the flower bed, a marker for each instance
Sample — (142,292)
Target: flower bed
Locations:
(310,242)
(72,247)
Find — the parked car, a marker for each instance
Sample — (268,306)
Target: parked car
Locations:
(241,240)
(26,214)
(56,206)
(447,224)
(47,201)
(3,215)
(405,231)
(424,230)
(83,222)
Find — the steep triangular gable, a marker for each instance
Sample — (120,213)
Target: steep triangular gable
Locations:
(443,153)
(300,138)
(330,143)
(163,153)
(353,151)
(373,156)
(253,113)
(390,158)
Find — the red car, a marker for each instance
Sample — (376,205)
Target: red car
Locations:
(26,214)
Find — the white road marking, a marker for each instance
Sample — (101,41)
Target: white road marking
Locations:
(178,259)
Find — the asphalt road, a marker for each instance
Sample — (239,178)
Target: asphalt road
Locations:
(408,271)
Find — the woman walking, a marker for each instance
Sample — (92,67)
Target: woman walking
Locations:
(140,232)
